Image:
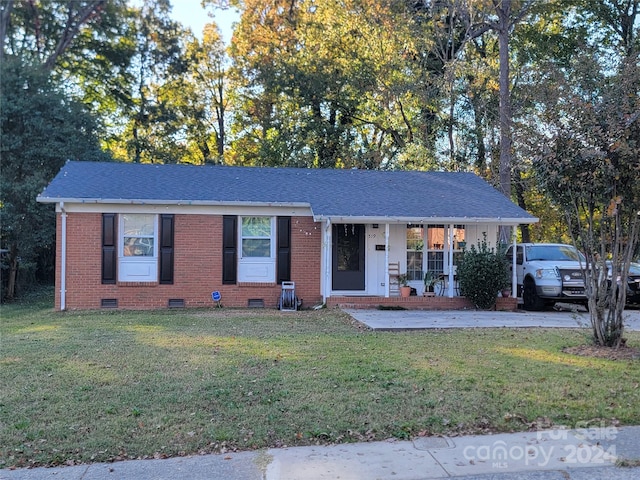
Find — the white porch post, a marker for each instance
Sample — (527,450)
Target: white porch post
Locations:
(386,261)
(450,255)
(326,262)
(514,273)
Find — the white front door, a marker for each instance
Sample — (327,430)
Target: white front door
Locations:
(375,259)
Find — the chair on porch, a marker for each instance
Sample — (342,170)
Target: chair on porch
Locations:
(443,283)
(394,282)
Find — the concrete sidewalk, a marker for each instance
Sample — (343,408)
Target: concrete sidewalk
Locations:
(588,453)
(427,319)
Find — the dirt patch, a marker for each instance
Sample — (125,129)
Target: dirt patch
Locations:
(622,353)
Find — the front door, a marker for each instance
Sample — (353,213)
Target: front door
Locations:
(348,257)
(376,260)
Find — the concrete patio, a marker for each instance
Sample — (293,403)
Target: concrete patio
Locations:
(564,317)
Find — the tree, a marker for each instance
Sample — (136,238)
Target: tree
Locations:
(590,163)
(203,102)
(590,167)
(150,130)
(84,45)
(46,33)
(323,84)
(41,128)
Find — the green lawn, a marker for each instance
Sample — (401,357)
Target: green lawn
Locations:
(97,386)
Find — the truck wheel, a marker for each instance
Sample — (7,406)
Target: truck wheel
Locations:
(532,301)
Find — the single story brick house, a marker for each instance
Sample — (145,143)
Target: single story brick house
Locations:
(143,236)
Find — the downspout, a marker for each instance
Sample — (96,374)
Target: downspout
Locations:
(514,273)
(63,258)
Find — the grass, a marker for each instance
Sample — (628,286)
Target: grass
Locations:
(101,386)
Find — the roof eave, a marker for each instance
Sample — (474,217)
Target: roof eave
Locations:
(131,201)
(424,220)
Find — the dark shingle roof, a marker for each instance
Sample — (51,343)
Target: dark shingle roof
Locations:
(329,193)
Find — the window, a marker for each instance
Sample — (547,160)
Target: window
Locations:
(435,246)
(139,235)
(257,262)
(560,253)
(138,251)
(437,243)
(256,237)
(415,247)
(254,250)
(459,237)
(137,248)
(459,243)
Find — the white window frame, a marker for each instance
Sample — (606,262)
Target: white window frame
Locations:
(257,269)
(137,268)
(414,251)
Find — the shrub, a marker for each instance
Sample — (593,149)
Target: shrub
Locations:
(482,273)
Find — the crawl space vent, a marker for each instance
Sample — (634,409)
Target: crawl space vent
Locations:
(176,303)
(256,303)
(109,303)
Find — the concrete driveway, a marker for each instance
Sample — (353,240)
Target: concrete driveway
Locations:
(426,319)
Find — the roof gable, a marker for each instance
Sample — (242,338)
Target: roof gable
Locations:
(329,193)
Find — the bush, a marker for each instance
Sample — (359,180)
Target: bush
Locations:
(482,273)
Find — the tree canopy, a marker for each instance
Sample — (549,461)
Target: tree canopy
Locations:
(41,129)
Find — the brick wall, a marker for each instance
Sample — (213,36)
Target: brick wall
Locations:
(197,267)
(409,303)
(508,304)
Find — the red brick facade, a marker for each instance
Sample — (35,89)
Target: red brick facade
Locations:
(198,271)
(197,267)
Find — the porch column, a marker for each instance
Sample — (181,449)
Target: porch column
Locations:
(450,255)
(386,261)
(325,264)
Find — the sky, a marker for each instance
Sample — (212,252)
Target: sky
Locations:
(191,14)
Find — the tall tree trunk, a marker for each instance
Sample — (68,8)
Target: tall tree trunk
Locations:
(5,14)
(519,190)
(13,272)
(220,110)
(503,9)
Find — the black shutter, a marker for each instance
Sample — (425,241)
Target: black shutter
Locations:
(166,249)
(283,249)
(109,254)
(229,249)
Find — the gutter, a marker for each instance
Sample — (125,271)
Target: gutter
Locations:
(426,220)
(317,218)
(128,201)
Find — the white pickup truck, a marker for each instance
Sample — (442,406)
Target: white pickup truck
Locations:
(548,273)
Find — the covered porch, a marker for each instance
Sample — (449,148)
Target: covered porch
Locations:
(362,257)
